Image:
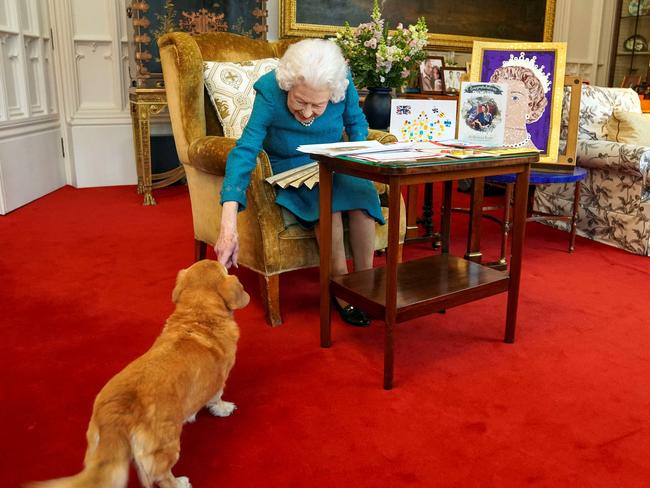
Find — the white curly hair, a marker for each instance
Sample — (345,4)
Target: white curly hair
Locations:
(316,62)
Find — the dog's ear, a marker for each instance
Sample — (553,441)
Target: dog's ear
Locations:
(180,284)
(232,292)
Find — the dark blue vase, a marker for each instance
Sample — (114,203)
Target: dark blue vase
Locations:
(377,107)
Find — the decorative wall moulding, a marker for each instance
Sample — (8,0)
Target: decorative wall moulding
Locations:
(152,18)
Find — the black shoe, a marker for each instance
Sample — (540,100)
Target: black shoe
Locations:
(351,314)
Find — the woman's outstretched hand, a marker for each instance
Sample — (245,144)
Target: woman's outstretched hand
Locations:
(227,246)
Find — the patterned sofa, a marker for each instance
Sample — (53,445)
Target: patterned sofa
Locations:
(615,197)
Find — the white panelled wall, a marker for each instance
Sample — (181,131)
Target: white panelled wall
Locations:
(31,162)
(75,95)
(588,27)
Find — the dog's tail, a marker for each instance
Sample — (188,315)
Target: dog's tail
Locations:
(106,463)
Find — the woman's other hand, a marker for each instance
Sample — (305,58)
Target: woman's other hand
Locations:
(227,247)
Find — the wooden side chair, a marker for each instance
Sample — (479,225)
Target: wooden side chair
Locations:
(564,172)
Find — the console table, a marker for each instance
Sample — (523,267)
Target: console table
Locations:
(402,291)
(144,103)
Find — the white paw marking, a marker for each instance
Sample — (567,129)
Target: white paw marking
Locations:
(222,409)
(190,419)
(183,482)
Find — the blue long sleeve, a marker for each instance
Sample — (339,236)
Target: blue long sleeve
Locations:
(243,157)
(355,122)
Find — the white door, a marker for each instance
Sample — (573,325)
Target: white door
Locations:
(31,153)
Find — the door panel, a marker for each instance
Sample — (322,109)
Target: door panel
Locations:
(31,161)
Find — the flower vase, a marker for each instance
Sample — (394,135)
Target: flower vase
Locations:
(377,107)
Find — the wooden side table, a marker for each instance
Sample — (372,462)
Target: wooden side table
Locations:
(144,103)
(402,291)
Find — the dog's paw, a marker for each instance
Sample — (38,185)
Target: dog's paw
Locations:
(183,482)
(222,409)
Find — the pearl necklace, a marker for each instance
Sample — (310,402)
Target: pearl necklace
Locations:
(307,123)
(520,143)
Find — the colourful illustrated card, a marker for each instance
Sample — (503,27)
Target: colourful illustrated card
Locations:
(423,120)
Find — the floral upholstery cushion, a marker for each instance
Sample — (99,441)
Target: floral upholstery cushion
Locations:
(629,128)
(596,107)
(230,87)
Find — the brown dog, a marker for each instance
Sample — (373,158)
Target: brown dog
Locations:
(140,412)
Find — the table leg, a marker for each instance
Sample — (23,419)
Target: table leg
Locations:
(475,215)
(325,182)
(411,213)
(574,216)
(391,278)
(137,142)
(427,210)
(445,223)
(518,231)
(145,152)
(506,224)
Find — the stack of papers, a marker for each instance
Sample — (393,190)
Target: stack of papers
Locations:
(302,175)
(352,148)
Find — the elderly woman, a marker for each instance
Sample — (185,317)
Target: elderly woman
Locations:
(309,99)
(526,103)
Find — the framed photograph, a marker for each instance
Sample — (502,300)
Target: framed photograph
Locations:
(452,24)
(453,76)
(431,75)
(534,75)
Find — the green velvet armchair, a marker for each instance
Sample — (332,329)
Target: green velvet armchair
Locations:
(267,245)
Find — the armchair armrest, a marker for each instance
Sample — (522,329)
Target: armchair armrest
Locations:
(385,138)
(626,158)
(209,154)
(381,136)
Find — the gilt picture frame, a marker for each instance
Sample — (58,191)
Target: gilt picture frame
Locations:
(452,25)
(534,73)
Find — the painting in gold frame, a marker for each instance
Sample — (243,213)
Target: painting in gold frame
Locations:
(534,73)
(452,24)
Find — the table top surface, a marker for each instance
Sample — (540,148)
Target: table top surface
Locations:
(427,165)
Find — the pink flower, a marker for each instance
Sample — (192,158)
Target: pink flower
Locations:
(372,43)
(407,58)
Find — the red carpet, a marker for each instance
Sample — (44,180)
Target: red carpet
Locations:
(85,288)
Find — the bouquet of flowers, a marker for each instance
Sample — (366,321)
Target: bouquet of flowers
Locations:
(378,57)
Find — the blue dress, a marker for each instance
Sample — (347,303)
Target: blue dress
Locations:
(273,128)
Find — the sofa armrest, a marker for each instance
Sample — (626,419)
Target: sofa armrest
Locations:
(626,158)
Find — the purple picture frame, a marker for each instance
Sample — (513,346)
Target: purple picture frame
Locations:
(540,131)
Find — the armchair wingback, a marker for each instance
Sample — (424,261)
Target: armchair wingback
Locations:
(615,196)
(267,245)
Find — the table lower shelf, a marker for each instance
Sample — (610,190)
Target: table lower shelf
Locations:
(424,286)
